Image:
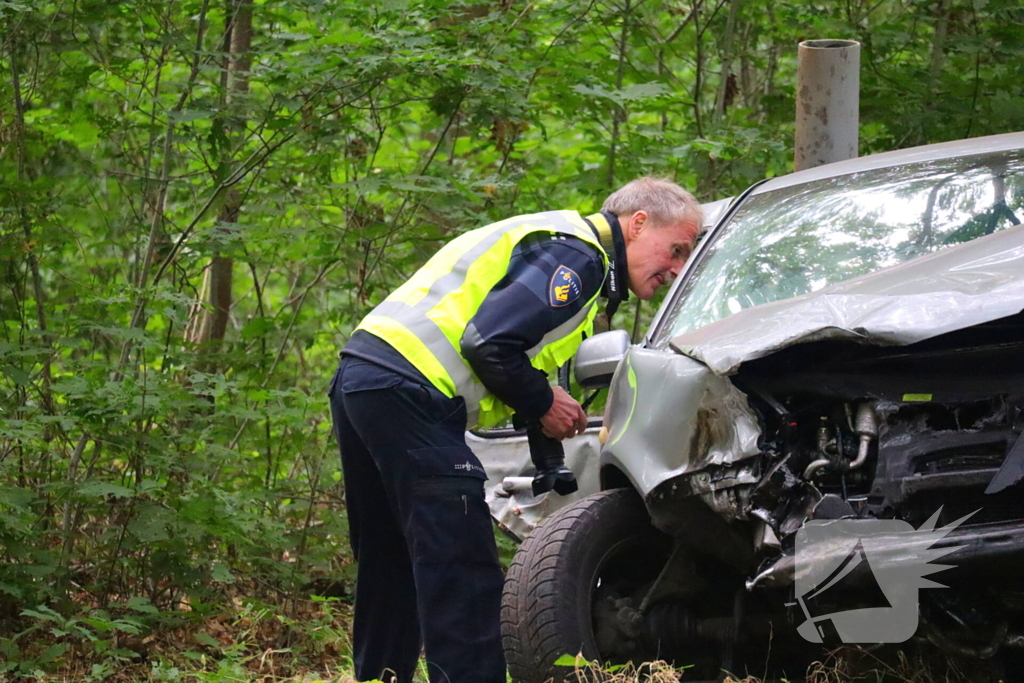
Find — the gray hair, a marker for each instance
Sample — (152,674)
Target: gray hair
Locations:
(665,202)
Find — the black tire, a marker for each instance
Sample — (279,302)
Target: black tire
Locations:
(547,608)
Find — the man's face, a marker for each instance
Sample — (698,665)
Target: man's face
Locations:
(655,254)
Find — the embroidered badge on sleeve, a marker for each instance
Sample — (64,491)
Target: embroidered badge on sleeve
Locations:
(565,287)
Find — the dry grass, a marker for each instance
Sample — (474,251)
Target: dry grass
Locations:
(896,665)
(650,672)
(844,665)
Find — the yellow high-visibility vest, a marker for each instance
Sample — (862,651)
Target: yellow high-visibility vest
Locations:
(425,318)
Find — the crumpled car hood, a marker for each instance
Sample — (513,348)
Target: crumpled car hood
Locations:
(956,288)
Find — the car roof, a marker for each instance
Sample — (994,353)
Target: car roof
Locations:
(913,155)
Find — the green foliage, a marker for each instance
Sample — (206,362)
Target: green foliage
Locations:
(96,629)
(143,461)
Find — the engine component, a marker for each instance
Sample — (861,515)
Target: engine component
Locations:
(671,626)
(866,427)
(867,430)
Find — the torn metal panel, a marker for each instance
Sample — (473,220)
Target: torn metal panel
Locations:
(505,455)
(699,419)
(1012,469)
(958,287)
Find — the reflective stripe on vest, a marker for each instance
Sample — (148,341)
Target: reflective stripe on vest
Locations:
(425,318)
(464,383)
(562,330)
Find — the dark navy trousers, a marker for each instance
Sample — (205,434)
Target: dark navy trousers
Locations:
(428,571)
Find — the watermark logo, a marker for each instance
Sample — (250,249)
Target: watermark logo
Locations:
(469,467)
(878,565)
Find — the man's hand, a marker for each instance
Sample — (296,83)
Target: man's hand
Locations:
(565,418)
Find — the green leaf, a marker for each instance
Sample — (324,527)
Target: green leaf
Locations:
(142,604)
(187,115)
(102,488)
(204,638)
(43,612)
(596,91)
(16,374)
(149,525)
(9,649)
(643,91)
(128,626)
(257,327)
(52,653)
(220,573)
(577,661)
(16,497)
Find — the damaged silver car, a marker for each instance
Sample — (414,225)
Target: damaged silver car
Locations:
(846,343)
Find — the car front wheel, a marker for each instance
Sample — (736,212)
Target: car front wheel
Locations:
(576,584)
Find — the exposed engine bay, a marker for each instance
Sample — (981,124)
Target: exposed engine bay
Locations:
(891,432)
(924,432)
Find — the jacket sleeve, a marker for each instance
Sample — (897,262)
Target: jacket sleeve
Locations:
(549,279)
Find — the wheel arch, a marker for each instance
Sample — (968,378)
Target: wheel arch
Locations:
(612,477)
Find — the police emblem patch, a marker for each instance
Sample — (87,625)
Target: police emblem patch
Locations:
(565,287)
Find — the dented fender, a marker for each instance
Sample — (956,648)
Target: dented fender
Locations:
(686,419)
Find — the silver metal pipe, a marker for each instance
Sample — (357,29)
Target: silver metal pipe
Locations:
(815,466)
(862,453)
(827,102)
(867,429)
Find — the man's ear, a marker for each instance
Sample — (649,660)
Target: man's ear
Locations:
(637,222)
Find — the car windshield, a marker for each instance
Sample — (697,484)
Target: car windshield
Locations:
(799,239)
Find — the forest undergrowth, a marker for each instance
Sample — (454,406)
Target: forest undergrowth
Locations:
(200,199)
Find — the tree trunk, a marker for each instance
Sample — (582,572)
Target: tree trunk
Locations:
(26,224)
(938,43)
(727,81)
(698,66)
(212,319)
(619,112)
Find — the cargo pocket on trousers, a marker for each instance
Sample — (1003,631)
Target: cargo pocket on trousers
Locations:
(450,521)
(359,375)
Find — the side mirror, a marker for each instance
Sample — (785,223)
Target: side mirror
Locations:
(598,357)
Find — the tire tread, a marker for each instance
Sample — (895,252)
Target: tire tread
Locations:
(540,584)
